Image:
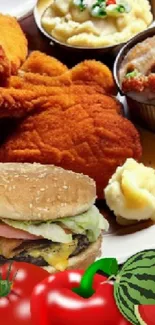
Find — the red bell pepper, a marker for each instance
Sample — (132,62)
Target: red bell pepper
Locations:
(77,298)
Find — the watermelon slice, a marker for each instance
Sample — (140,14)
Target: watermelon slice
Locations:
(145,314)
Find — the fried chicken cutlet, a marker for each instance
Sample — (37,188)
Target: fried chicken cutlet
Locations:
(5,69)
(80,138)
(70,120)
(20,102)
(13,43)
(43,64)
(89,72)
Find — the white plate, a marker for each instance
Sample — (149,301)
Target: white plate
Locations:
(124,246)
(17,8)
(120,247)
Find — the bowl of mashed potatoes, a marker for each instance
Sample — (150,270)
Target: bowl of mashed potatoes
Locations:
(92,24)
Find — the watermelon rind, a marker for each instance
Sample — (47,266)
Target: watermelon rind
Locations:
(135,284)
(141,321)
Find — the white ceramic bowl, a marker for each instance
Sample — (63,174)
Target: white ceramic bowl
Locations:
(17,8)
(114,49)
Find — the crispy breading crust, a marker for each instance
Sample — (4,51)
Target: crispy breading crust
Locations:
(43,64)
(89,72)
(70,120)
(20,102)
(5,67)
(13,42)
(84,139)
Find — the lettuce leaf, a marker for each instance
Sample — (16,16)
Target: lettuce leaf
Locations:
(48,230)
(89,223)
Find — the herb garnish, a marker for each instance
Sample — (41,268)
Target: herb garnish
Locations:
(81,4)
(132,74)
(98,9)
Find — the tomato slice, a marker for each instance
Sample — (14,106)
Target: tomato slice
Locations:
(111,2)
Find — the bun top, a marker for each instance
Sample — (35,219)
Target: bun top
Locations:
(43,192)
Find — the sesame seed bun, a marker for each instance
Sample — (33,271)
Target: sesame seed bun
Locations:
(82,260)
(43,192)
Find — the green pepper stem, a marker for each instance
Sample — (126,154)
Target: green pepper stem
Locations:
(108,265)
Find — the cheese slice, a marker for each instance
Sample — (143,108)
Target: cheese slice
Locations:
(56,255)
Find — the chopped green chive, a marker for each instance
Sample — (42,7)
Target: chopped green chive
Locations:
(132,74)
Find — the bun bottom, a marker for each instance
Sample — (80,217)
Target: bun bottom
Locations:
(82,260)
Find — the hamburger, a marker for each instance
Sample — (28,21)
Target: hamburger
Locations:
(48,217)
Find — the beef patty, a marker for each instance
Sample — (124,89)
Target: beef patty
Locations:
(82,243)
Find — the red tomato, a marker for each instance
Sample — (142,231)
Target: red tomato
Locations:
(15,307)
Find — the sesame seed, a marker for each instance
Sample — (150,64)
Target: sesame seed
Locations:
(42,189)
(42,175)
(30,205)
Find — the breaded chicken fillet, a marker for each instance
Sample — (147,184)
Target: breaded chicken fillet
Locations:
(13,43)
(89,72)
(43,64)
(84,138)
(20,102)
(5,69)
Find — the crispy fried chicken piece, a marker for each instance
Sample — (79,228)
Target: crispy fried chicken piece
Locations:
(86,73)
(94,72)
(40,80)
(20,102)
(43,64)
(82,138)
(5,67)
(13,42)
(22,83)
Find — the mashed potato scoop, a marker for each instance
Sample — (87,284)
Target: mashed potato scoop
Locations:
(130,193)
